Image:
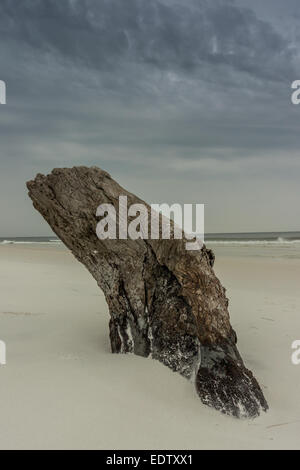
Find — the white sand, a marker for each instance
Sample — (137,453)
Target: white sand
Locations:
(62,388)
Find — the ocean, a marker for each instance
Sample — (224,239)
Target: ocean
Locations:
(258,238)
(258,244)
(29,240)
(271,244)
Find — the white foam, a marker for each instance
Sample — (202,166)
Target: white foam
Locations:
(25,242)
(278,242)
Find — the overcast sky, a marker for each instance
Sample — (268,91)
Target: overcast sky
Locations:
(181,101)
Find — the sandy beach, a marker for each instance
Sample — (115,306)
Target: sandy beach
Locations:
(62,387)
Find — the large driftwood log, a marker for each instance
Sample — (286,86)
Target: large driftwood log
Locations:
(164,301)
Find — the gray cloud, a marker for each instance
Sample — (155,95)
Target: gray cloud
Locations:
(165,35)
(180,100)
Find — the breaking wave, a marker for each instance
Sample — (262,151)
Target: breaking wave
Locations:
(279,241)
(30,242)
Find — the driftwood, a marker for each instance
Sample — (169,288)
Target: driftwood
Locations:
(164,301)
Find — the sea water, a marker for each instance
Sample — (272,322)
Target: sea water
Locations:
(266,244)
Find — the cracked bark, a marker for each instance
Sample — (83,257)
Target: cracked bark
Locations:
(164,301)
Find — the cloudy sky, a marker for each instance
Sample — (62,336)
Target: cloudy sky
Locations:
(181,101)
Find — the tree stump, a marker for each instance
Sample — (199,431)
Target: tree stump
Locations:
(164,301)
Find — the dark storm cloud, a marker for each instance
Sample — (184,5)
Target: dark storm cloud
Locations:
(166,35)
(182,100)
